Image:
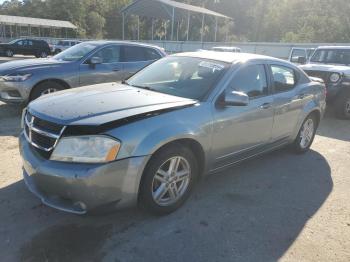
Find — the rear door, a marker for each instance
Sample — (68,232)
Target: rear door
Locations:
(135,58)
(110,70)
(288,100)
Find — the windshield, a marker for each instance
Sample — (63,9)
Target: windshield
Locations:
(331,56)
(76,52)
(180,76)
(14,41)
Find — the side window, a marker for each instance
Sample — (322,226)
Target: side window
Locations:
(133,54)
(151,54)
(283,77)
(251,80)
(20,43)
(30,43)
(109,54)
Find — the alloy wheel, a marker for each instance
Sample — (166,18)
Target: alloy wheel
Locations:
(171,181)
(307,133)
(48,91)
(9,53)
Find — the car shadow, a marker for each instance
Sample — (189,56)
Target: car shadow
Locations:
(251,212)
(333,127)
(10,119)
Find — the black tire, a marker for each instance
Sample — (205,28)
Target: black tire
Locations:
(41,88)
(297,144)
(146,199)
(342,105)
(9,53)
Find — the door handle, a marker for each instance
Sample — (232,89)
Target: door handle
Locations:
(116,69)
(265,106)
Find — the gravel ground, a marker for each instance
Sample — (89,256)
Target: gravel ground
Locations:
(280,206)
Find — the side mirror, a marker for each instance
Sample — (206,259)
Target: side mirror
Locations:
(302,60)
(235,98)
(95,60)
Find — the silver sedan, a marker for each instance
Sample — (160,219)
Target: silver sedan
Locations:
(148,140)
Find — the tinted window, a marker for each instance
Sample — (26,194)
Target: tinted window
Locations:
(251,80)
(283,77)
(180,76)
(134,54)
(151,54)
(30,43)
(20,42)
(109,54)
(332,56)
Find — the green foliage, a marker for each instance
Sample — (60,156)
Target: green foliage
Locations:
(253,20)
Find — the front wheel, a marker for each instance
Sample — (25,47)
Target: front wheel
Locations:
(45,89)
(9,53)
(168,179)
(306,135)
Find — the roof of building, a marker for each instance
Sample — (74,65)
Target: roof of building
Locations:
(38,22)
(162,9)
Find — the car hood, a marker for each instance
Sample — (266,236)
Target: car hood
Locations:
(101,104)
(29,64)
(326,68)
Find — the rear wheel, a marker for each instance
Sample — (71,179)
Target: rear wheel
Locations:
(168,179)
(41,54)
(306,134)
(342,105)
(44,89)
(9,53)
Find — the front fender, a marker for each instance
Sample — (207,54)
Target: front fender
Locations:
(164,135)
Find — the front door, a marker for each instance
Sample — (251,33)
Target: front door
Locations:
(110,70)
(239,131)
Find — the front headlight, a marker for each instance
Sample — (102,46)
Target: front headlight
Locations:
(17,77)
(86,149)
(334,77)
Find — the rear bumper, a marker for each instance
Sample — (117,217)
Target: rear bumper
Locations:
(79,188)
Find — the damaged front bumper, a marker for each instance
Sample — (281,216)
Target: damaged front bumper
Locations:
(79,188)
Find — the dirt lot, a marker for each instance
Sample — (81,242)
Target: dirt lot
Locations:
(278,207)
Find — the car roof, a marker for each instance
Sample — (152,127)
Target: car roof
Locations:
(333,47)
(229,57)
(103,42)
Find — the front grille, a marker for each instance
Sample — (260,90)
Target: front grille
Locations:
(320,74)
(41,134)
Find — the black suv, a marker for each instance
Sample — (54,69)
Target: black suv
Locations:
(332,64)
(38,48)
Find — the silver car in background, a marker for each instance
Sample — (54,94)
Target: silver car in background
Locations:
(83,64)
(148,140)
(63,45)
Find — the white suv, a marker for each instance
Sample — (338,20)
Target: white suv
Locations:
(63,45)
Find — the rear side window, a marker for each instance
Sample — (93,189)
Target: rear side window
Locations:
(151,54)
(134,54)
(251,80)
(283,77)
